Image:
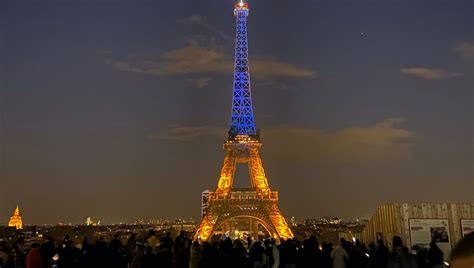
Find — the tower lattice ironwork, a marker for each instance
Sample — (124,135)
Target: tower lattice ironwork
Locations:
(242,146)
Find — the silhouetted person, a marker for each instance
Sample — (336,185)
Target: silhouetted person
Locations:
(326,261)
(149,259)
(210,255)
(381,255)
(357,256)
(435,256)
(3,254)
(256,255)
(399,257)
(100,253)
(339,255)
(249,242)
(187,252)
(19,253)
(87,259)
(130,247)
(163,253)
(168,240)
(180,251)
(421,256)
(137,258)
(33,259)
(238,256)
(152,240)
(226,250)
(181,240)
(116,258)
(288,253)
(85,243)
(196,255)
(463,254)
(305,254)
(47,252)
(269,256)
(115,244)
(309,254)
(372,257)
(69,255)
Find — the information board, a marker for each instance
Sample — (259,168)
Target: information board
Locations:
(424,231)
(467,226)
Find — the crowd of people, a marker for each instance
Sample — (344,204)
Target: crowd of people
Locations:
(181,252)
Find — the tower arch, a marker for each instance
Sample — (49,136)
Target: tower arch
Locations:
(264,222)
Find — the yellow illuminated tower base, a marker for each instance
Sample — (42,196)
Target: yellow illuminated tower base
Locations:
(258,203)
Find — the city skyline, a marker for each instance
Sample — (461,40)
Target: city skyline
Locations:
(16,220)
(120,108)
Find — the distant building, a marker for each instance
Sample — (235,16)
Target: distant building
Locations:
(91,222)
(311,222)
(331,220)
(15,220)
(293,222)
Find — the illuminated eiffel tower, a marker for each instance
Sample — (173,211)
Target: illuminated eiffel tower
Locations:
(258,203)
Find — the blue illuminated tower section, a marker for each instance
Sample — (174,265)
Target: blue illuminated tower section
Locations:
(242,118)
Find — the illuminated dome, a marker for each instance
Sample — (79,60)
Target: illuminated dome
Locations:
(15,220)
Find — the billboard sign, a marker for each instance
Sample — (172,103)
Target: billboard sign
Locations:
(424,231)
(467,226)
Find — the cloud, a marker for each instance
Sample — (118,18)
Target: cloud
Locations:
(385,140)
(197,59)
(267,68)
(466,50)
(198,19)
(202,82)
(189,133)
(429,73)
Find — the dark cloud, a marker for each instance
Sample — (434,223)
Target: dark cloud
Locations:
(385,140)
(465,50)
(429,73)
(201,82)
(197,59)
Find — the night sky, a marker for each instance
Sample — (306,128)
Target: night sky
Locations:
(118,109)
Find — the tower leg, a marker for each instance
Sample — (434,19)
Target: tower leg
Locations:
(227,173)
(206,228)
(257,173)
(280,224)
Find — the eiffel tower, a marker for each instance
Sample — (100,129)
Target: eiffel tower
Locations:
(258,203)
